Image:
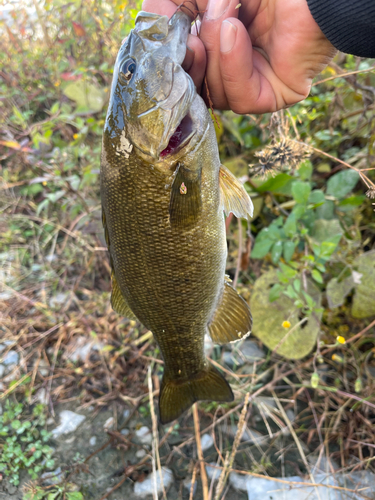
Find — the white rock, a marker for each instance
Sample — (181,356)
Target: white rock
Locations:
(232,359)
(126,414)
(43,368)
(69,421)
(125,432)
(187,484)
(147,486)
(268,489)
(10,358)
(58,299)
(109,423)
(249,435)
(81,348)
(6,343)
(42,396)
(251,351)
(52,477)
(143,435)
(140,453)
(206,442)
(2,370)
(92,441)
(213,472)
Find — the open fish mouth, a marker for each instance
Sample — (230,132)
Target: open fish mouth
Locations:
(180,137)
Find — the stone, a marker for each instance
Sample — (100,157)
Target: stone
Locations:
(143,435)
(53,477)
(43,368)
(10,358)
(92,441)
(58,300)
(147,486)
(140,453)
(213,472)
(42,396)
(81,348)
(69,421)
(2,370)
(249,435)
(232,359)
(125,432)
(5,344)
(109,423)
(126,414)
(251,351)
(206,442)
(187,484)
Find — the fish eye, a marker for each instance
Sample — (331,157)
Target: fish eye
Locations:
(128,69)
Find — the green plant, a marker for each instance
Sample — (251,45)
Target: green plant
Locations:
(23,442)
(56,492)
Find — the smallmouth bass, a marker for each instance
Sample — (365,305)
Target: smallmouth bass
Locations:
(163,192)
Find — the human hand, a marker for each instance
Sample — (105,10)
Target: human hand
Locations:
(261,57)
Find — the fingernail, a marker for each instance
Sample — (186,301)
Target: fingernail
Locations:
(228,35)
(216,8)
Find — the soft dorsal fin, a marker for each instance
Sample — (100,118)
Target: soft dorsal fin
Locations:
(232,319)
(186,201)
(118,302)
(234,197)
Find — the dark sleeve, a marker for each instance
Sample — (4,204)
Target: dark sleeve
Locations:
(348,24)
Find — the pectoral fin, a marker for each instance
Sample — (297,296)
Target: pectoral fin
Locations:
(232,319)
(118,302)
(233,195)
(186,201)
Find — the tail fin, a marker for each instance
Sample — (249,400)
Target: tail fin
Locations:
(176,397)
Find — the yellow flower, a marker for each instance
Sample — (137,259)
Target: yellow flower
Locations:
(56,84)
(340,339)
(337,358)
(286,324)
(75,136)
(44,183)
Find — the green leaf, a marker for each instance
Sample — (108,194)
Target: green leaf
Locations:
(74,495)
(316,197)
(278,184)
(364,297)
(16,424)
(289,247)
(301,191)
(340,184)
(88,98)
(305,170)
(261,248)
(292,343)
(275,292)
(337,291)
(290,226)
(317,276)
(276,251)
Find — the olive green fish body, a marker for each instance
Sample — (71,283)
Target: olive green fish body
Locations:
(163,197)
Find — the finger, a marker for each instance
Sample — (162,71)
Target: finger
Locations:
(249,82)
(162,7)
(217,11)
(198,66)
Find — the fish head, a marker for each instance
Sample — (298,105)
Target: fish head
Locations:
(151,95)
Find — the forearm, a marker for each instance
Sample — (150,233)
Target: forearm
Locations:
(348,24)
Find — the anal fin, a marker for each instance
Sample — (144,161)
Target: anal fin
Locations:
(233,195)
(232,319)
(177,396)
(186,201)
(118,302)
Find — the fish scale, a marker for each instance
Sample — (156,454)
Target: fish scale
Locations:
(163,195)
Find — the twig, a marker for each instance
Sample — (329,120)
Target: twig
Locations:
(344,75)
(200,452)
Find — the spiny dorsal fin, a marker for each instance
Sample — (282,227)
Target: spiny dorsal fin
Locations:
(118,302)
(177,396)
(186,201)
(234,197)
(232,319)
